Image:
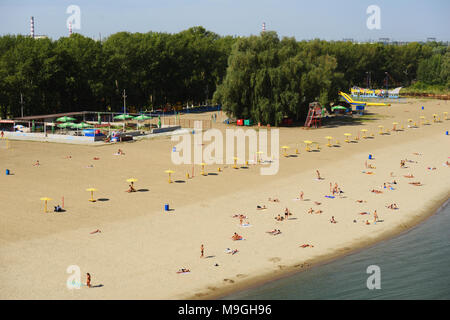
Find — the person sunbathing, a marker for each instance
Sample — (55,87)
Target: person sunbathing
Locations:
(96,158)
(416,183)
(409,176)
(36,163)
(310,210)
(367,222)
(229,251)
(274,200)
(317,203)
(68,157)
(361,201)
(96,231)
(318,211)
(392,206)
(236,237)
(261,207)
(371,166)
(240,216)
(131,189)
(58,208)
(306,245)
(376,191)
(183,270)
(402,163)
(363,213)
(120,152)
(332,220)
(279,218)
(417,154)
(431,168)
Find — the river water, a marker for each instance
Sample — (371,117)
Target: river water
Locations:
(413,265)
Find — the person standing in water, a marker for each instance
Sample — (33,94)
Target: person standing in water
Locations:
(202,250)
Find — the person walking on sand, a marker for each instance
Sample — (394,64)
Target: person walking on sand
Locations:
(331,187)
(88,280)
(202,250)
(318,175)
(375,216)
(301,195)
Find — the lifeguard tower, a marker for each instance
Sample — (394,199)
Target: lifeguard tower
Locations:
(314,117)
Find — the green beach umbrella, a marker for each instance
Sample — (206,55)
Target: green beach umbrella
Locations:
(142,117)
(123,117)
(82,125)
(66,125)
(65,119)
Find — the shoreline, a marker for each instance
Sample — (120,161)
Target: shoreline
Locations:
(257,281)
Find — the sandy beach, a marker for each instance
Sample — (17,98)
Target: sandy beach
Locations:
(141,247)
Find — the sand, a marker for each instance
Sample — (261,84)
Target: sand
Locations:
(141,246)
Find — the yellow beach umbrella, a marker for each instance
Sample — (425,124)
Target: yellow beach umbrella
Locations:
(421,119)
(284,150)
(307,142)
(381,129)
(203,168)
(132,181)
(364,131)
(445,115)
(329,138)
(235,160)
(169,172)
(91,190)
(45,199)
(347,135)
(258,157)
(395,126)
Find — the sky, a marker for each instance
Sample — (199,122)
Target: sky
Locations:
(400,20)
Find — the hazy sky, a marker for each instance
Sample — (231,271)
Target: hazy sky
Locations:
(406,20)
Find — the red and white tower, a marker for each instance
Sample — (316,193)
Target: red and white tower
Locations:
(263,27)
(70,28)
(32,27)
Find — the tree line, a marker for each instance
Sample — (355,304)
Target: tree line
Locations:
(260,77)
(269,78)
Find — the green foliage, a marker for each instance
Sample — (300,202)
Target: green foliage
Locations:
(79,73)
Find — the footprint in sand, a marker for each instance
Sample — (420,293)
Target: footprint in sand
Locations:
(274,259)
(241,275)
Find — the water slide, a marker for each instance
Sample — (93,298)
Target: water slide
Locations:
(353,102)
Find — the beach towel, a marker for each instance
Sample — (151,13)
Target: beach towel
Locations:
(331,197)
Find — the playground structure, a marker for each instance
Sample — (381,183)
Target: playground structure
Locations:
(352,102)
(314,117)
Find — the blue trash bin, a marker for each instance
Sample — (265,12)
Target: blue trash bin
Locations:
(7,172)
(370,156)
(166,207)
